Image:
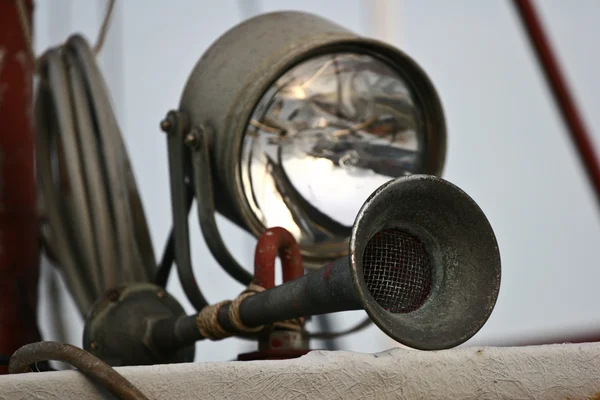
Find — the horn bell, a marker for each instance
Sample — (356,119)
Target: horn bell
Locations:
(425,262)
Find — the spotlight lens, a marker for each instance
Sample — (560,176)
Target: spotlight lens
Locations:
(322,138)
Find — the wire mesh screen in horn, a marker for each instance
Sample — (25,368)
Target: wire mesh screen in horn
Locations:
(397,271)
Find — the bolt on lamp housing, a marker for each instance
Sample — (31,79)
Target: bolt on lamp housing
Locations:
(305,120)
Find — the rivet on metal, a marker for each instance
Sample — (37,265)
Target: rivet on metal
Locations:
(166,125)
(191,139)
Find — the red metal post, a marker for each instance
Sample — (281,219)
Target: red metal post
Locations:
(19,244)
(571,117)
(560,90)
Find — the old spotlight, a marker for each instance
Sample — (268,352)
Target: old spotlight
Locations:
(293,121)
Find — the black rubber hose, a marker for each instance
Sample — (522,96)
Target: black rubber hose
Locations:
(91,366)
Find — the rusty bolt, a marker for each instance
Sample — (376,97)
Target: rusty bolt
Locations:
(94,345)
(161,294)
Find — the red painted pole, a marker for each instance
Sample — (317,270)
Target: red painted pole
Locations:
(19,244)
(560,91)
(571,117)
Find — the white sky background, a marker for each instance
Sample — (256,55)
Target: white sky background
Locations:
(507,145)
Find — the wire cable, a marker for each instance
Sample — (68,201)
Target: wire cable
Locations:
(24,21)
(166,262)
(96,230)
(181,236)
(91,366)
(104,27)
(324,323)
(205,198)
(96,225)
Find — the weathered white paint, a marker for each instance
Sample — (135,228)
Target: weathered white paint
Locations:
(568,371)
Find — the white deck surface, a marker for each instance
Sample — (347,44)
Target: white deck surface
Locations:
(542,372)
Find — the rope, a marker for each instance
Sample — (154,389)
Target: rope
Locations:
(210,328)
(290,324)
(234,309)
(208,322)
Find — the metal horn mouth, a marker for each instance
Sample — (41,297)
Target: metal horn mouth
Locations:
(425,262)
(397,270)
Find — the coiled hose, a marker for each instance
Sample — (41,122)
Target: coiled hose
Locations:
(95,227)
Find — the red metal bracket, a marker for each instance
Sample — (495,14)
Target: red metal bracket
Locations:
(277,344)
(275,241)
